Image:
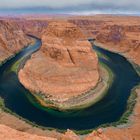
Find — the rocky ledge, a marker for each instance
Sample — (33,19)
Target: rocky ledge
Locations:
(125,40)
(12,39)
(65,67)
(7,133)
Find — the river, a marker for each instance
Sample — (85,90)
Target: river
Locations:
(108,110)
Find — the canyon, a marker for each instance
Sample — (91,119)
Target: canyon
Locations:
(7,133)
(64,57)
(116,33)
(57,69)
(12,39)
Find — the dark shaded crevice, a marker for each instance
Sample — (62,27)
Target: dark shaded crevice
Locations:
(72,60)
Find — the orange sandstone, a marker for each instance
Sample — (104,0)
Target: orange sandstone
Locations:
(66,65)
(7,133)
(12,39)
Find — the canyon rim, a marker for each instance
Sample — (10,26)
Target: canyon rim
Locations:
(69,70)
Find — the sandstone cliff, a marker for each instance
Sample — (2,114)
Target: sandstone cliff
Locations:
(12,39)
(117,33)
(65,67)
(120,34)
(122,39)
(114,33)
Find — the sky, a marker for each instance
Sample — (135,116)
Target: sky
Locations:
(79,7)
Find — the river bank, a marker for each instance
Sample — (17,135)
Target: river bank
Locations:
(130,129)
(27,126)
(83,101)
(32,42)
(85,131)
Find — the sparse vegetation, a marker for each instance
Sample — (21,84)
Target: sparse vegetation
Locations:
(40,101)
(123,120)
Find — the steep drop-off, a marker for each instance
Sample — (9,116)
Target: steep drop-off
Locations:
(64,67)
(32,26)
(116,33)
(7,133)
(122,39)
(12,39)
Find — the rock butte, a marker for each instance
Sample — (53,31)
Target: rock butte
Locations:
(100,27)
(116,33)
(66,65)
(125,40)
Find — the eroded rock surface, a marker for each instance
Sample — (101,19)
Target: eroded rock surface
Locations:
(33,26)
(121,39)
(97,135)
(12,39)
(7,133)
(116,33)
(65,67)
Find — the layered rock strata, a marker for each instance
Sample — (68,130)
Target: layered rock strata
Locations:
(7,133)
(12,39)
(121,39)
(66,65)
(116,33)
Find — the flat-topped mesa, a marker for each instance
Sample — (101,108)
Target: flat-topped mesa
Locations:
(64,30)
(66,65)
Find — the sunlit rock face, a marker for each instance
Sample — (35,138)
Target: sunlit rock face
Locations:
(7,133)
(12,39)
(123,39)
(33,26)
(117,33)
(66,65)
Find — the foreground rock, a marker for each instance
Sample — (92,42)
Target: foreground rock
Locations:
(7,133)
(65,66)
(12,39)
(97,135)
(32,26)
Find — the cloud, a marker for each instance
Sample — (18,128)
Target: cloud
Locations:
(44,3)
(99,6)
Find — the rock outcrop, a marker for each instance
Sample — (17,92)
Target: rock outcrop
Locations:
(117,33)
(12,39)
(7,133)
(65,67)
(32,26)
(70,135)
(120,34)
(121,39)
(97,135)
(114,33)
